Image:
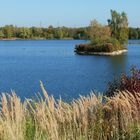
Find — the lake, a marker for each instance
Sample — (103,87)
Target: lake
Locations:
(24,63)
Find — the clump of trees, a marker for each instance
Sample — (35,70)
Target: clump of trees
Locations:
(108,38)
(119,26)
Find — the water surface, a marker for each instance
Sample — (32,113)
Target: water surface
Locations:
(24,63)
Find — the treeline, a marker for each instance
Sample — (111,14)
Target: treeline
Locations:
(134,33)
(10,31)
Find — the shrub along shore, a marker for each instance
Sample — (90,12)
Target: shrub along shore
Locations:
(87,118)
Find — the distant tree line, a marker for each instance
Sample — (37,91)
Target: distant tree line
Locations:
(10,31)
(134,33)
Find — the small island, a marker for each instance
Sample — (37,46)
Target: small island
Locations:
(111,39)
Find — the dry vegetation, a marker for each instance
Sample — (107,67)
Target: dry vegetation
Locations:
(89,118)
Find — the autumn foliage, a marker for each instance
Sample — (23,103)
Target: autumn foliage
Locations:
(130,83)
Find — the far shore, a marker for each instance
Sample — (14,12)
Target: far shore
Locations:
(114,53)
(8,39)
(12,39)
(134,42)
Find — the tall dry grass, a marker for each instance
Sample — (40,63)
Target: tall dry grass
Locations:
(88,118)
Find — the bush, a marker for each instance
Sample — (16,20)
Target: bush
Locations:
(83,47)
(108,47)
(130,83)
(116,44)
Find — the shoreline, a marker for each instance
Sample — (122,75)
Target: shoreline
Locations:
(134,43)
(114,53)
(13,39)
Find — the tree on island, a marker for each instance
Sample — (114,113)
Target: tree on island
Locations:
(108,38)
(119,26)
(98,33)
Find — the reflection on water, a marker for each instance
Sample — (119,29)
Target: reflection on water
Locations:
(118,64)
(24,63)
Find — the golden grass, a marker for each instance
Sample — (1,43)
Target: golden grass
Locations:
(88,118)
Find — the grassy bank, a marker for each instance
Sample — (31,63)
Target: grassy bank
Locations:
(89,118)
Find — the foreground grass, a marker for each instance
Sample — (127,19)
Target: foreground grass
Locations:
(89,118)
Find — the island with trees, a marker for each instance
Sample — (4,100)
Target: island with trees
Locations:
(111,39)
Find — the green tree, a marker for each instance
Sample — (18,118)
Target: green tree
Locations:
(133,33)
(138,32)
(1,34)
(8,31)
(24,33)
(81,33)
(50,32)
(119,26)
(58,33)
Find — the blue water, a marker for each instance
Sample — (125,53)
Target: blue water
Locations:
(24,63)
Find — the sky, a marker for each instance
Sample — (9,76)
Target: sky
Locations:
(70,13)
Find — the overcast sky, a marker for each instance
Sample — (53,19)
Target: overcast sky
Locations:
(65,12)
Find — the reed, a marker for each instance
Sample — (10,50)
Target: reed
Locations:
(87,118)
